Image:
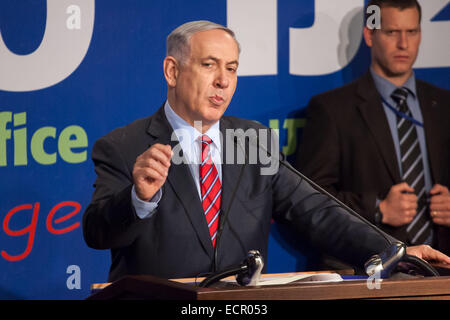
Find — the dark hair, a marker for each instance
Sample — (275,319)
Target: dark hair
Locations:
(399,4)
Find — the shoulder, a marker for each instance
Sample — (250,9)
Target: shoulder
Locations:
(341,94)
(234,127)
(125,142)
(231,122)
(436,99)
(432,90)
(333,104)
(129,132)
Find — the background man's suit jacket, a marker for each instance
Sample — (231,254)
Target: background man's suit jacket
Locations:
(175,241)
(347,146)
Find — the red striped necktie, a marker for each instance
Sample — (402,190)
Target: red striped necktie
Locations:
(210,188)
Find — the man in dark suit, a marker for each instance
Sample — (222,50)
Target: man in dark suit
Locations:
(381,144)
(170,200)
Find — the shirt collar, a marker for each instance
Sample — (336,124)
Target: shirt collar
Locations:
(386,88)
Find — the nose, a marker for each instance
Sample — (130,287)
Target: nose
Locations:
(221,81)
(402,42)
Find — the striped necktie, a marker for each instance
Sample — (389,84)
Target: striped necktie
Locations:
(412,169)
(210,189)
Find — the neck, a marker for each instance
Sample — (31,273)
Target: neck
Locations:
(397,79)
(200,125)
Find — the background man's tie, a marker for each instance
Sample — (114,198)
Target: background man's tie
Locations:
(412,166)
(211,189)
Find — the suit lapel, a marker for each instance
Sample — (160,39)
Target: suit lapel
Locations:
(181,181)
(433,137)
(375,119)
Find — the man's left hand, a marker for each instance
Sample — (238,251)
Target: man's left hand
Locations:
(440,205)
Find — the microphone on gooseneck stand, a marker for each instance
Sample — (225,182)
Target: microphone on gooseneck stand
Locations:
(224,219)
(384,262)
(247,273)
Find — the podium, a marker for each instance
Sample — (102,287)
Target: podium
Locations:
(146,287)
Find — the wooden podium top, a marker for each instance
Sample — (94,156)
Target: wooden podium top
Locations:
(149,287)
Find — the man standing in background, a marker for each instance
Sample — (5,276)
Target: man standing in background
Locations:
(381,144)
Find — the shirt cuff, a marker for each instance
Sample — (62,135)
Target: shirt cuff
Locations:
(377,203)
(378,215)
(145,209)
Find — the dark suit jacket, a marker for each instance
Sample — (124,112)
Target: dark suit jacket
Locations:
(175,241)
(347,146)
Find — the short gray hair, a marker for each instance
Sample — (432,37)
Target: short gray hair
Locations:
(178,40)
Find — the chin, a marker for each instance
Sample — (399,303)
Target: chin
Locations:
(401,67)
(402,72)
(399,71)
(214,114)
(213,119)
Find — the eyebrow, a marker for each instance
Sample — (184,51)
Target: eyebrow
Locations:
(400,29)
(217,60)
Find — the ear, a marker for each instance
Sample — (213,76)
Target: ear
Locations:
(368,34)
(171,70)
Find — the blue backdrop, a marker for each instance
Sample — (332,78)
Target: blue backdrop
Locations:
(73,70)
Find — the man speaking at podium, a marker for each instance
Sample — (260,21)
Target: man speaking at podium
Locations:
(170,218)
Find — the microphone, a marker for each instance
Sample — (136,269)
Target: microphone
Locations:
(254,140)
(396,258)
(386,261)
(251,275)
(224,219)
(247,273)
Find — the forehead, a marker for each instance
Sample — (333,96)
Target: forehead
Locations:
(399,18)
(216,42)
